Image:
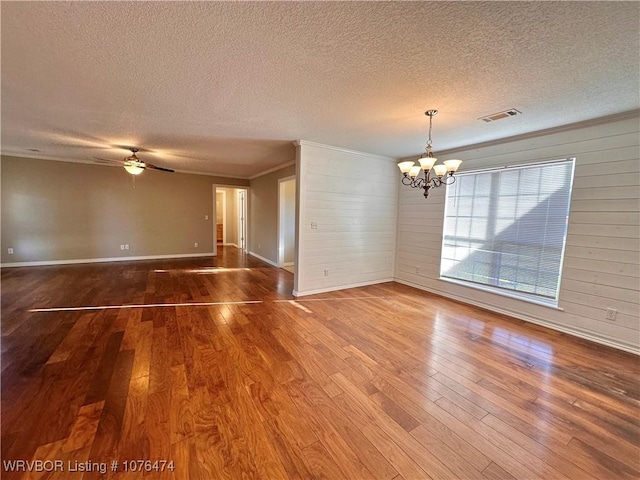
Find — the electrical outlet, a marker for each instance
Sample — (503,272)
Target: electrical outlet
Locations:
(10,250)
(195,245)
(611,314)
(206,217)
(326,272)
(121,247)
(126,246)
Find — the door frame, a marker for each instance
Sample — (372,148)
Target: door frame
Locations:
(214,232)
(224,215)
(243,243)
(280,223)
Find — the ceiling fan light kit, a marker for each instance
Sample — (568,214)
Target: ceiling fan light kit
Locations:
(133,165)
(443,172)
(133,169)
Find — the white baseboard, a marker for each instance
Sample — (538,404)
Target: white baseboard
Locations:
(297,293)
(274,264)
(574,331)
(288,264)
(229,245)
(105,260)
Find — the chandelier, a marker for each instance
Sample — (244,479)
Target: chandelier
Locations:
(442,173)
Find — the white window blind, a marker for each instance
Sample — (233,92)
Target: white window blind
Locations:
(506,229)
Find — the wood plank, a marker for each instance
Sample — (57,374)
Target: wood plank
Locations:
(558,458)
(84,430)
(370,461)
(604,466)
(495,472)
(103,448)
(427,461)
(98,389)
(394,453)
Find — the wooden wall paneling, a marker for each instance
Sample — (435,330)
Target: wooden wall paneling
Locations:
(347,215)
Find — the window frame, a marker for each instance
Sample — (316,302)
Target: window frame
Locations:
(537,299)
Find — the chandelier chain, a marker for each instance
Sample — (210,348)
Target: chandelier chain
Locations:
(430,114)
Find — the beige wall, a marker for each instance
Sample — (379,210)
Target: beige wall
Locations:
(58,211)
(263,214)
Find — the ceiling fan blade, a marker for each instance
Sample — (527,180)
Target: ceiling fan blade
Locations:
(70,146)
(154,167)
(104,160)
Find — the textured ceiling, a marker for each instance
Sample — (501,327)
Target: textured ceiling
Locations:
(224,87)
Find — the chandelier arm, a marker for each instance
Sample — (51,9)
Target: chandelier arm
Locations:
(418,183)
(406,180)
(449,180)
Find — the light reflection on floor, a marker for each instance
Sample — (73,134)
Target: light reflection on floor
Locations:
(195,304)
(205,270)
(332,299)
(142,305)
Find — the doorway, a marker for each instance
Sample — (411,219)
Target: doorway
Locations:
(230,227)
(221,216)
(287,223)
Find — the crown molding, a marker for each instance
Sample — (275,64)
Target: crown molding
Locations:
(274,169)
(302,143)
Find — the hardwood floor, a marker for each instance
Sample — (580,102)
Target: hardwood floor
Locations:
(383,382)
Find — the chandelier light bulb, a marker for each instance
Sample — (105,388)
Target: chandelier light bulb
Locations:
(440,170)
(405,166)
(414,171)
(452,165)
(427,162)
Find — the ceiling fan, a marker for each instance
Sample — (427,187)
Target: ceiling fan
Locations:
(133,165)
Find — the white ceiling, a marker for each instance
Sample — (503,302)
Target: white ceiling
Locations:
(225,87)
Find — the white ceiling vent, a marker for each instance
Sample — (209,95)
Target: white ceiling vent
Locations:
(512,112)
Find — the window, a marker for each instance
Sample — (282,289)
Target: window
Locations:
(505,229)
